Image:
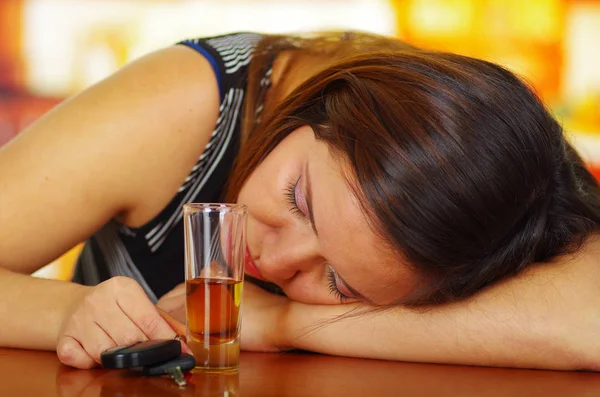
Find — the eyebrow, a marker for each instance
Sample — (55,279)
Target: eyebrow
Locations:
(311,217)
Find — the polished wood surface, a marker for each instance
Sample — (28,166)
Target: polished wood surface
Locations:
(32,373)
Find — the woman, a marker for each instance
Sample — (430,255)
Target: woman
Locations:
(376,175)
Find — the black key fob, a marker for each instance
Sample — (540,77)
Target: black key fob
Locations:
(140,354)
(184,362)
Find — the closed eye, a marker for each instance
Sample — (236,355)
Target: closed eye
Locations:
(290,196)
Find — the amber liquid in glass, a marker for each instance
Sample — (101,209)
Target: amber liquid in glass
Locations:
(213,315)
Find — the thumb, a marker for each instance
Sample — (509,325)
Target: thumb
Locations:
(177,326)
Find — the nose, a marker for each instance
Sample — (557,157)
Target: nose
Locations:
(288,252)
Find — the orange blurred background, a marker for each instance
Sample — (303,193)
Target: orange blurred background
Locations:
(51,49)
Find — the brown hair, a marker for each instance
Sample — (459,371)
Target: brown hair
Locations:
(457,163)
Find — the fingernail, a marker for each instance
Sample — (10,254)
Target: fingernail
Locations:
(185,348)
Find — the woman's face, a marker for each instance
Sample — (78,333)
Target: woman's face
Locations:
(308,234)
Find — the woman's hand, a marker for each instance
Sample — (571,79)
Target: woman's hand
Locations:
(263,320)
(173,303)
(114,313)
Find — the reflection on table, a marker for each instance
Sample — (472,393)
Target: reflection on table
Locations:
(33,373)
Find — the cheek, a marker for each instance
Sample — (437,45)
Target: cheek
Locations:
(264,190)
(267,183)
(260,192)
(263,194)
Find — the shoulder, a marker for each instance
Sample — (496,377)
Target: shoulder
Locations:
(122,147)
(225,44)
(227,53)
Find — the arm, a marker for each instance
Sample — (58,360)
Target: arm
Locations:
(99,155)
(547,318)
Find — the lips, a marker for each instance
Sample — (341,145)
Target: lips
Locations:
(250,267)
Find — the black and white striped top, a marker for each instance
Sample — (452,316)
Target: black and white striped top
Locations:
(153,253)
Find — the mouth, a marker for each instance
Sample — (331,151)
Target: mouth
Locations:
(250,267)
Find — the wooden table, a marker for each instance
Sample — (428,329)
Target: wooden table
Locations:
(31,373)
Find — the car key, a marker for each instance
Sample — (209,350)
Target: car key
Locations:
(141,354)
(152,357)
(175,368)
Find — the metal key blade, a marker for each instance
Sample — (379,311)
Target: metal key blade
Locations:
(177,375)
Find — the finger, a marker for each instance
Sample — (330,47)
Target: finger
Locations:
(95,341)
(70,352)
(136,305)
(176,325)
(179,328)
(178,314)
(121,329)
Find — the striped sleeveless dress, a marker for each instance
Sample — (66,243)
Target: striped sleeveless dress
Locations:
(153,254)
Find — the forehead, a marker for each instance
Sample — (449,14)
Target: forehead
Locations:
(347,240)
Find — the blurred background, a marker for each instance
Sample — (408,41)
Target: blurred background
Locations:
(51,49)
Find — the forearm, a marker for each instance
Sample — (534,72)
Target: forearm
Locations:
(538,321)
(32,309)
(450,336)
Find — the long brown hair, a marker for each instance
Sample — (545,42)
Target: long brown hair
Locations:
(457,163)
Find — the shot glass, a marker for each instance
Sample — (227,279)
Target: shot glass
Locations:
(215,245)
